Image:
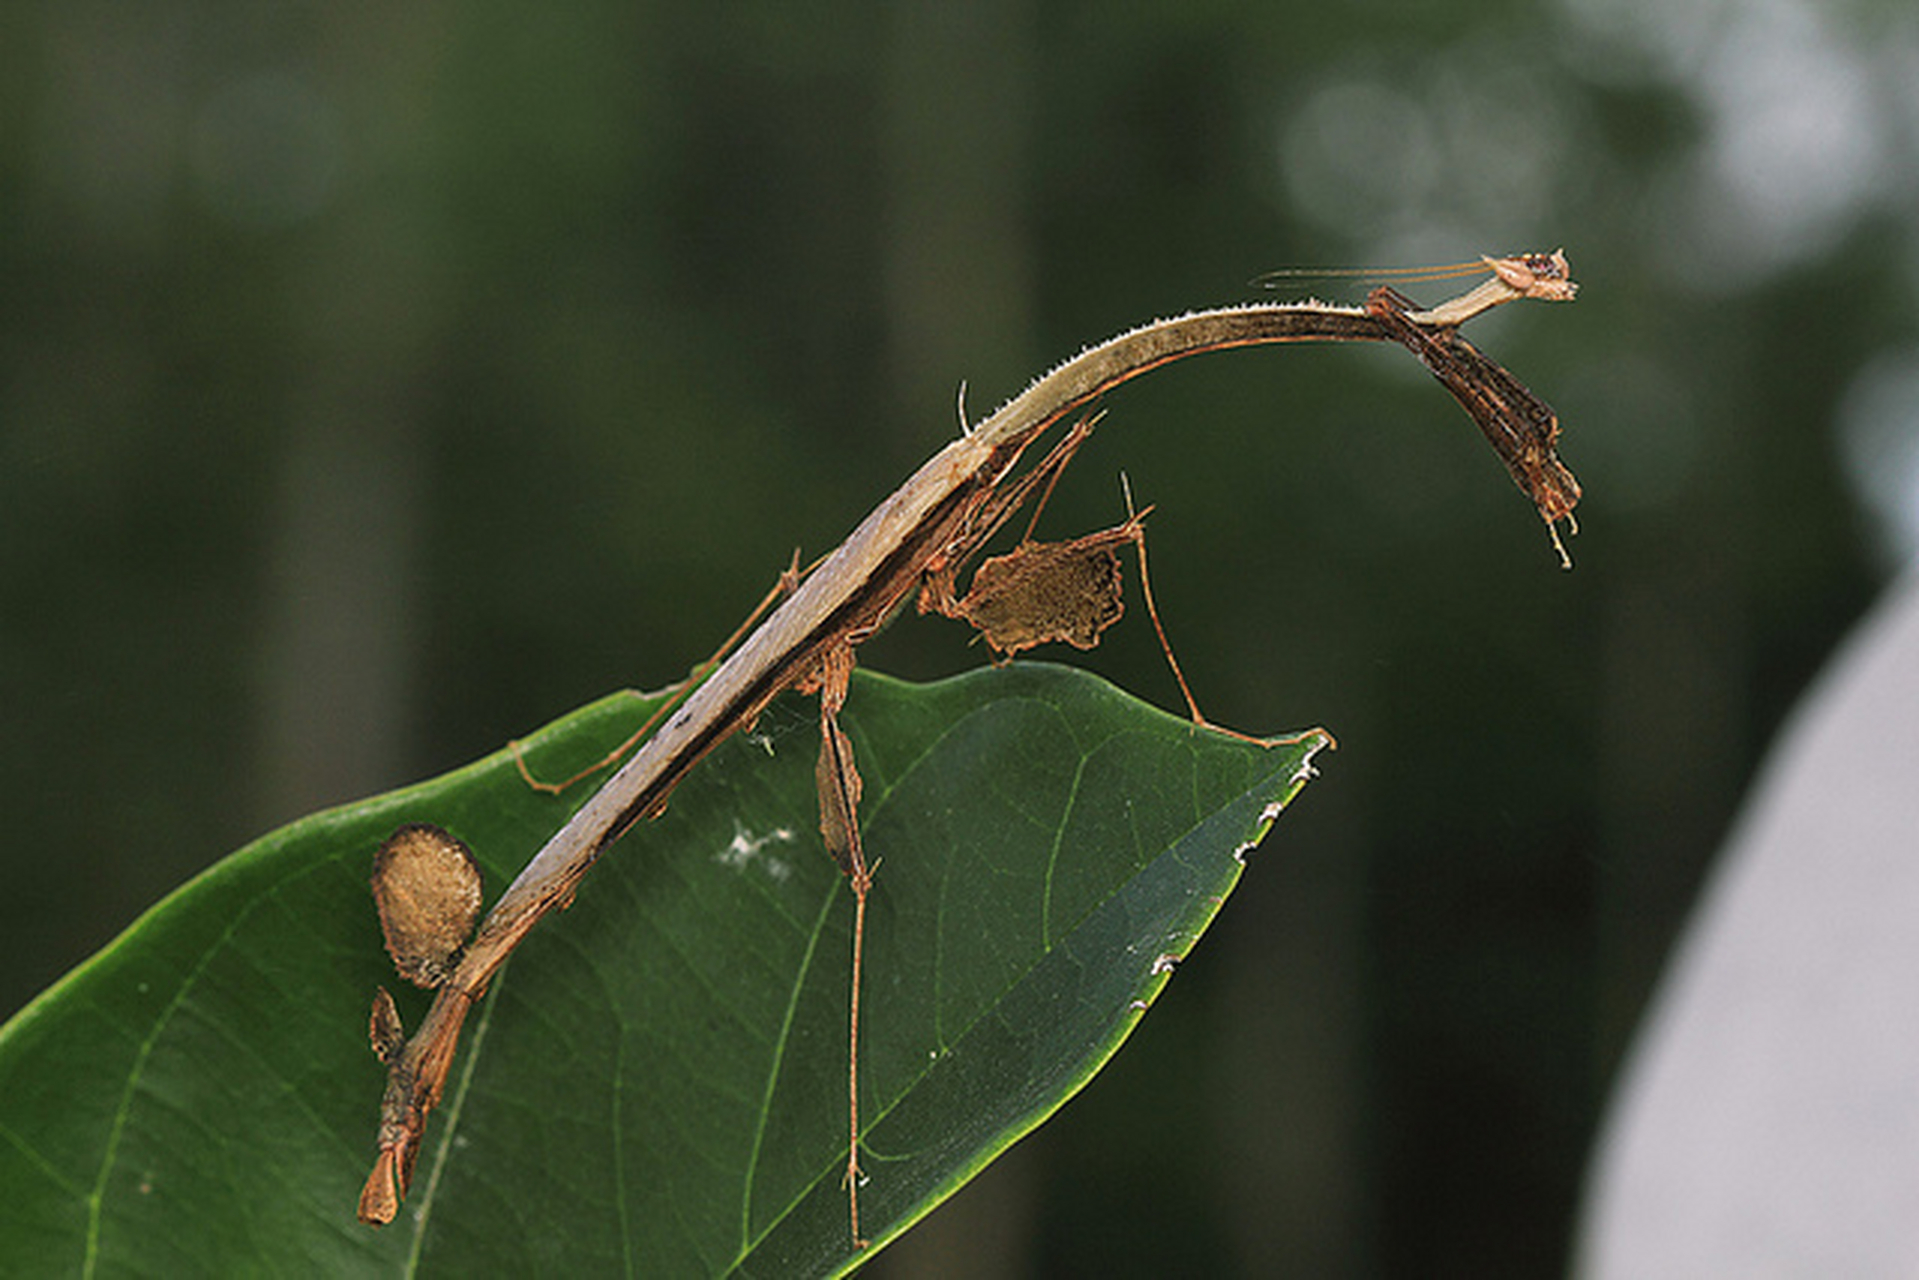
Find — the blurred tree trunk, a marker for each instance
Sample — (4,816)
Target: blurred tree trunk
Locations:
(340,649)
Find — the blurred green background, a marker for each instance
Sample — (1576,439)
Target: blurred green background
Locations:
(377,384)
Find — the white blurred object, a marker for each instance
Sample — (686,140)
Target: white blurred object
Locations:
(1768,1121)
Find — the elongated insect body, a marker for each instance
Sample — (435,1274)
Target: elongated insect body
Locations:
(918,542)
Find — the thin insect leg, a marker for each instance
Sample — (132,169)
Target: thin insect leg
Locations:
(839,788)
(1055,463)
(1136,527)
(854,1176)
(939,593)
(1003,504)
(788,580)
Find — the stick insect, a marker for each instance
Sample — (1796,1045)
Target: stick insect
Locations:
(917,542)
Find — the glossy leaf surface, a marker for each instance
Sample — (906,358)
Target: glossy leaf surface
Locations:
(656,1082)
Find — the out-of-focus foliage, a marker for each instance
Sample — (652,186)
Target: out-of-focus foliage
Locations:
(375,386)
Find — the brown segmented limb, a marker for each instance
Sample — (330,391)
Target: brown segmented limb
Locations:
(930,521)
(789,579)
(1522,429)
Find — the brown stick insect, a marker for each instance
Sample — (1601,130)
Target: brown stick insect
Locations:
(1069,592)
(917,542)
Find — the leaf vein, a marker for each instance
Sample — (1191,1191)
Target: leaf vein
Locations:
(110,1154)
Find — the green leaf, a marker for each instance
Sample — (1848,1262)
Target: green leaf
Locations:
(656,1082)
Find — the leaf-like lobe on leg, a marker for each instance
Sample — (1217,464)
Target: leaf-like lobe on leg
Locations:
(380,1198)
(384,1028)
(1045,591)
(839,788)
(427,888)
